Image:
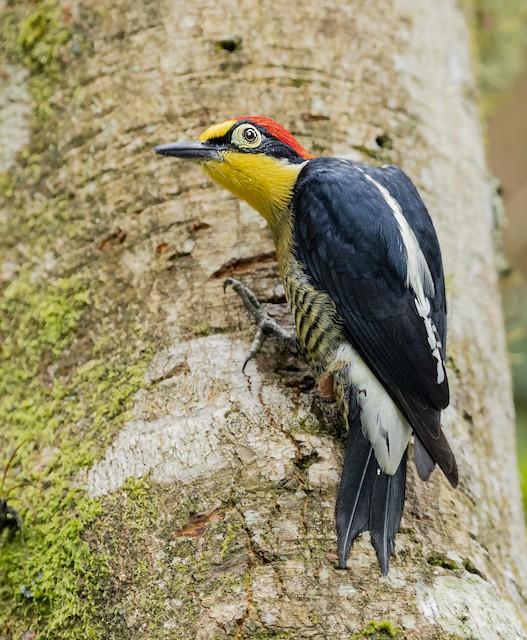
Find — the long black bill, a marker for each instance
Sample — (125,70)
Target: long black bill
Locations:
(189,150)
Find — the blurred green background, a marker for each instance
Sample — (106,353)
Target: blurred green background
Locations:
(501,40)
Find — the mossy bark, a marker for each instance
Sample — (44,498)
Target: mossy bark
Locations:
(175,497)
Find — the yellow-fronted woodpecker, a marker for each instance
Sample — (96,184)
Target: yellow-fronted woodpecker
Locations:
(361,267)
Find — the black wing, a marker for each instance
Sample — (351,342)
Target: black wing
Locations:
(348,239)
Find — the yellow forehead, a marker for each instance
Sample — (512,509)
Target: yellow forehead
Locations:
(217,130)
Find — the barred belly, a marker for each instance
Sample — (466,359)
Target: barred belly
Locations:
(316,320)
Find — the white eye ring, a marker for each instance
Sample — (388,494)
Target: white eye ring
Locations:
(246,136)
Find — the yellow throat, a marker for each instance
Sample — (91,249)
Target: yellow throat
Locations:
(265,183)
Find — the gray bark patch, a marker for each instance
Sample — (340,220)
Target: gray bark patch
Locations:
(202,415)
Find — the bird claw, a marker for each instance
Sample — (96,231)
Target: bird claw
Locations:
(256,345)
(265,324)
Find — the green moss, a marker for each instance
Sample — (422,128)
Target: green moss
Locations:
(299,82)
(38,40)
(313,618)
(377,630)
(49,319)
(7,185)
(207,330)
(410,533)
(230,536)
(59,408)
(36,577)
(438,560)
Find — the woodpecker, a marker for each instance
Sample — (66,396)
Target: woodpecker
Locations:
(362,272)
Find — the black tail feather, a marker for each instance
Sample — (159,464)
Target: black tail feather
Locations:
(427,427)
(440,452)
(368,499)
(356,487)
(424,462)
(386,510)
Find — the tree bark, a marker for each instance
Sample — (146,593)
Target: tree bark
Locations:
(210,492)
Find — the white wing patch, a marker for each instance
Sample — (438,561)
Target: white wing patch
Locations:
(382,423)
(418,276)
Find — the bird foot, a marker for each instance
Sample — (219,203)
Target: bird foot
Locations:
(265,324)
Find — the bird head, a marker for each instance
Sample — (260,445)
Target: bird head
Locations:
(253,157)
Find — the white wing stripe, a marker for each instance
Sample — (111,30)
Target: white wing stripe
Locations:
(418,276)
(433,337)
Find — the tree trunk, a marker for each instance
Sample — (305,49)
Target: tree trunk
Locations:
(176,497)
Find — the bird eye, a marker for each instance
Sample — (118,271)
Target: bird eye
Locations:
(250,135)
(246,136)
